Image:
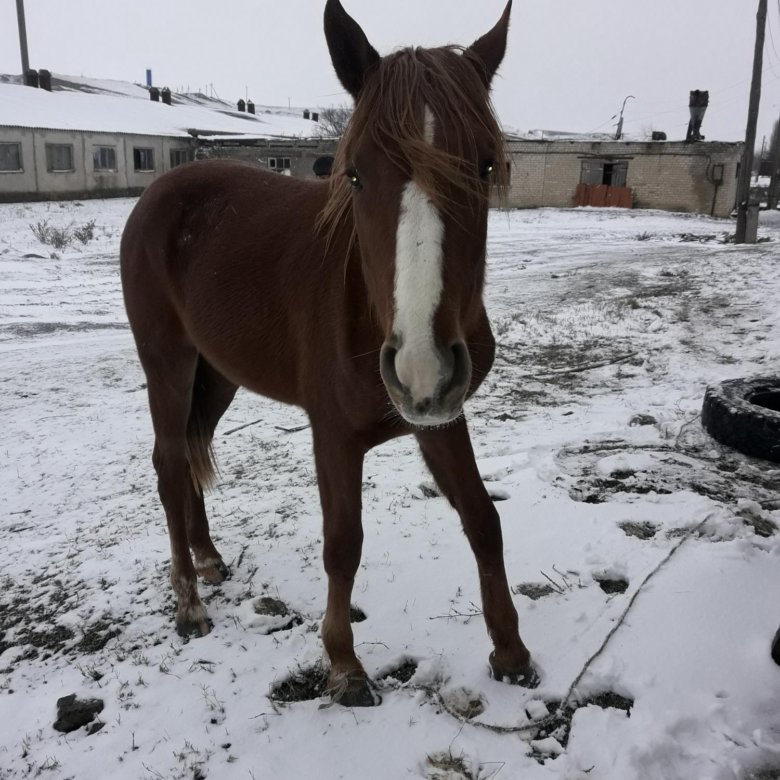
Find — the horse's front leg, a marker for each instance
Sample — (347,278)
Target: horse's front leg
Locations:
(339,461)
(449,456)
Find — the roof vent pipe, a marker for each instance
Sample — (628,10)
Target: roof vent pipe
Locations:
(697,104)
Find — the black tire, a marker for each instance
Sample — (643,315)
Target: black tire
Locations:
(745,414)
(776,648)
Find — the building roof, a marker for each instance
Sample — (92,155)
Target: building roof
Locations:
(103,106)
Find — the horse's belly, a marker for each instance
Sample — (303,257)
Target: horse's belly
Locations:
(251,351)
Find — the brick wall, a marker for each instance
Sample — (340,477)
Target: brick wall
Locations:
(673,176)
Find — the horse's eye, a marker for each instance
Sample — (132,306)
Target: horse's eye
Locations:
(486,168)
(353,178)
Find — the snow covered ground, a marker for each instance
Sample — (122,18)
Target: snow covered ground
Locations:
(630,535)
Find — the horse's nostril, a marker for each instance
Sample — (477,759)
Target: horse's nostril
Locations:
(460,377)
(387,367)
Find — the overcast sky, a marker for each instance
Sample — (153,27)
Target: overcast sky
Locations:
(569,65)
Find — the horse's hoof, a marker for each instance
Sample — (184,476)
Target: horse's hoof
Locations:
(214,572)
(776,647)
(353,691)
(192,629)
(527,677)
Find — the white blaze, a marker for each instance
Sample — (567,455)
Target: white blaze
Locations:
(418,285)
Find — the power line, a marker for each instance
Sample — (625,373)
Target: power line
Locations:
(766,48)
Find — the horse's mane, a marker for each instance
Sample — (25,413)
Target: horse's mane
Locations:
(390,109)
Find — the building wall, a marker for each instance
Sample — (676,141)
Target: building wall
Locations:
(35,182)
(301,152)
(673,176)
(26,179)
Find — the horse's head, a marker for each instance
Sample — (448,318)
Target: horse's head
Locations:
(414,169)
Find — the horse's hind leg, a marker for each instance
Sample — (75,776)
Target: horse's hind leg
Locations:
(211,396)
(170,374)
(450,458)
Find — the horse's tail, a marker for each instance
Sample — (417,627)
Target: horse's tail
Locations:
(199,450)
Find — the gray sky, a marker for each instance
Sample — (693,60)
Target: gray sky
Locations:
(569,65)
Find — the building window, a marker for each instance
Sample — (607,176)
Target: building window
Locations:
(10,157)
(613,173)
(104,158)
(179,157)
(143,158)
(59,157)
(279,163)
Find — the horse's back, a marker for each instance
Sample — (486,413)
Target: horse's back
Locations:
(230,253)
(217,200)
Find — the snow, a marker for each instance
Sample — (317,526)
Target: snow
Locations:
(600,315)
(126,108)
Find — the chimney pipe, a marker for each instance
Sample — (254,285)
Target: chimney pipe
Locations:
(165,94)
(44,79)
(699,100)
(22,36)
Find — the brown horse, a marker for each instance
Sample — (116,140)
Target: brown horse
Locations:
(308,291)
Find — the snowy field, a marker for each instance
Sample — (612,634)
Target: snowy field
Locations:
(643,557)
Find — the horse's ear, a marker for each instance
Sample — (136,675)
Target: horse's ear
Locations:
(351,53)
(489,50)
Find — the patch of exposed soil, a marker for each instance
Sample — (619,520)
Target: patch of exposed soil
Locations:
(97,635)
(726,476)
(30,612)
(464,703)
(305,684)
(766,773)
(533,590)
(611,585)
(275,608)
(445,766)
(401,674)
(28,330)
(558,725)
(639,530)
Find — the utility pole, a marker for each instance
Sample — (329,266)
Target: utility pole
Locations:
(743,188)
(22,36)
(619,131)
(774,183)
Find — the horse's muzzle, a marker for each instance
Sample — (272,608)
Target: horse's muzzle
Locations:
(430,387)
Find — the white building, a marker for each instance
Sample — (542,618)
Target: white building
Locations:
(89,138)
